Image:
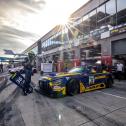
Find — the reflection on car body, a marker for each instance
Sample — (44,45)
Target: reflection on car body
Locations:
(77,80)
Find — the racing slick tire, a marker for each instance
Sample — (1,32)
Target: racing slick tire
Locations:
(109,83)
(72,87)
(40,86)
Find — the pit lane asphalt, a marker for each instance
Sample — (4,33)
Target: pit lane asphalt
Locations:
(105,107)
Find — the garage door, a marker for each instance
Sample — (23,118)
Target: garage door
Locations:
(119,47)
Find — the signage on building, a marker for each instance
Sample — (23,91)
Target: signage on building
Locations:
(117,30)
(105,34)
(99,33)
(46,67)
(91,42)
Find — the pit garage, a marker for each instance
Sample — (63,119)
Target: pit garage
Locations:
(119,53)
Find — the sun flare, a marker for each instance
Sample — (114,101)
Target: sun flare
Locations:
(63,20)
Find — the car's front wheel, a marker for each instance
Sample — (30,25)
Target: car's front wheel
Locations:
(72,87)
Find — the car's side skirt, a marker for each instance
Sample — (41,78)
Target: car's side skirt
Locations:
(92,87)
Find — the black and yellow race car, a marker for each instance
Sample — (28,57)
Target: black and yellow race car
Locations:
(77,80)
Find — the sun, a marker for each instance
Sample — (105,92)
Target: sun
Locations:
(63,20)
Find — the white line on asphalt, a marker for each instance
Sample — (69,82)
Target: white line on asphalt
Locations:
(4,75)
(113,95)
(59,116)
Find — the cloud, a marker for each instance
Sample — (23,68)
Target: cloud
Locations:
(6,43)
(14,33)
(14,39)
(26,5)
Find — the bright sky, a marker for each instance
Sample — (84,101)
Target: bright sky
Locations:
(23,22)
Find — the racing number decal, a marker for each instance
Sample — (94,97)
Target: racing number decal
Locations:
(18,80)
(82,87)
(91,80)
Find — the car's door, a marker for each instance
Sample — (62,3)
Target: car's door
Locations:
(100,78)
(96,78)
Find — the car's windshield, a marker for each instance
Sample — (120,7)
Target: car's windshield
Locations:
(77,70)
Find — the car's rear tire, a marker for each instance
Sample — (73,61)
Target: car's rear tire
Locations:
(40,85)
(73,87)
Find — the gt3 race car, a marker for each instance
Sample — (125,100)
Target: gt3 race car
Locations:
(77,80)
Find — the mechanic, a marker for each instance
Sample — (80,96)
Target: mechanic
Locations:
(120,69)
(28,74)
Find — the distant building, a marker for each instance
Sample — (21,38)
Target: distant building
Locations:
(98,32)
(33,48)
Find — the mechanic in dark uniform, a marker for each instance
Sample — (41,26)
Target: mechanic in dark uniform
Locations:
(28,74)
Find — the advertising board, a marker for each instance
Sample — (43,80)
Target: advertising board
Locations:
(46,67)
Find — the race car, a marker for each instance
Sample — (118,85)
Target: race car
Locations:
(77,80)
(16,69)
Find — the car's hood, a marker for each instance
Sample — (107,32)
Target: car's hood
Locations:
(58,75)
(66,74)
